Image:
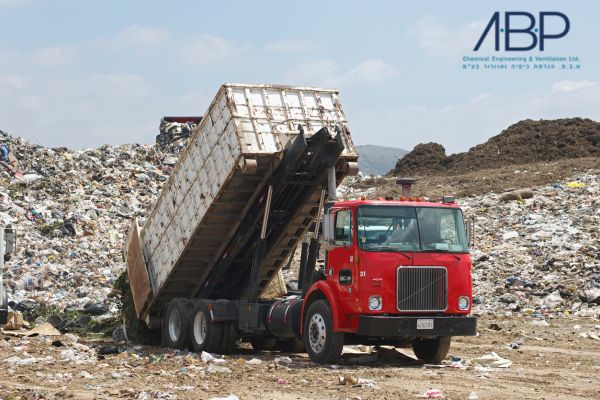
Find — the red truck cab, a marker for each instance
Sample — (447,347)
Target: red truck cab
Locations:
(396,272)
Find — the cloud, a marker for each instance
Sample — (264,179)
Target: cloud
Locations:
(208,49)
(79,112)
(137,37)
(54,56)
(328,73)
(120,84)
(291,46)
(460,126)
(436,39)
(570,86)
(12,3)
(369,71)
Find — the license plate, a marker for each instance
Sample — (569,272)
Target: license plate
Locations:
(424,324)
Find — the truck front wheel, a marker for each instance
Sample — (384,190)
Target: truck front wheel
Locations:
(432,351)
(204,333)
(323,345)
(176,324)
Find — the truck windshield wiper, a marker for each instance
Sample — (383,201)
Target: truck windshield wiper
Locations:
(388,248)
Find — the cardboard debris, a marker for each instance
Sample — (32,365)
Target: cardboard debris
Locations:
(15,321)
(45,329)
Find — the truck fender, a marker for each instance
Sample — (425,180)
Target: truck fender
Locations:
(321,290)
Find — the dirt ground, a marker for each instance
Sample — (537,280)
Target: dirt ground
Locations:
(553,362)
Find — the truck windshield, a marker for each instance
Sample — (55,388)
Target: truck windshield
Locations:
(397,228)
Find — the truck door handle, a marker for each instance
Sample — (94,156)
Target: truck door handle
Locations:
(345,277)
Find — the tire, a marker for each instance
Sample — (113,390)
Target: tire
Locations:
(323,345)
(291,346)
(262,343)
(176,325)
(205,335)
(228,338)
(432,351)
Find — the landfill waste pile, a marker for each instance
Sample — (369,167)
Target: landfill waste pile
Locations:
(524,142)
(537,252)
(173,136)
(71,210)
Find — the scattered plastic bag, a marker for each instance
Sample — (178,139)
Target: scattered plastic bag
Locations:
(355,381)
(217,369)
(284,360)
(209,358)
(492,360)
(230,397)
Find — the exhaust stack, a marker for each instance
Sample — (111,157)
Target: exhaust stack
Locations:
(406,184)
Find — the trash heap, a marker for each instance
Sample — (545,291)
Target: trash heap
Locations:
(537,252)
(72,210)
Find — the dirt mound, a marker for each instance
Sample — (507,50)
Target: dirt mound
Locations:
(430,154)
(526,141)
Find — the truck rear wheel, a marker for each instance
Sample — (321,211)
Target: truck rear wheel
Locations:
(432,351)
(205,334)
(176,324)
(228,338)
(323,345)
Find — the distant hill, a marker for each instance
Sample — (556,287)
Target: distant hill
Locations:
(378,160)
(526,141)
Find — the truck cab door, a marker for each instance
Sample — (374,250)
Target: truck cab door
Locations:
(340,269)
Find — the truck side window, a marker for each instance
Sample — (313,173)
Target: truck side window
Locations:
(343,226)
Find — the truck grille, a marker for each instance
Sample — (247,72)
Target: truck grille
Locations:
(422,289)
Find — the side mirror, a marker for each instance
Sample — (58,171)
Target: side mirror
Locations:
(328,229)
(470,230)
(333,236)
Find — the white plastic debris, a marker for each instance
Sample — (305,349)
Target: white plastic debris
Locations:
(209,358)
(284,360)
(230,397)
(492,360)
(510,235)
(217,369)
(21,361)
(540,322)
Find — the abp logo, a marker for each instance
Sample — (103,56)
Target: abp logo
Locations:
(537,35)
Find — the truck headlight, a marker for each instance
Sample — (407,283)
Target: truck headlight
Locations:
(375,303)
(463,303)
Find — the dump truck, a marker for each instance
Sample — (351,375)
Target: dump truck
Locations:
(257,181)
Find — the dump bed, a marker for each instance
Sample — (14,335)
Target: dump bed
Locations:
(231,155)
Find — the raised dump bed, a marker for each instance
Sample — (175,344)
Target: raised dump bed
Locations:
(230,158)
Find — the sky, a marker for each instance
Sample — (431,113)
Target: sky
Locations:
(81,74)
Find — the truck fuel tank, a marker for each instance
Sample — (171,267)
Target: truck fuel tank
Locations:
(284,318)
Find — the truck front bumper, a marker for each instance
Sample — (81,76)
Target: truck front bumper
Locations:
(406,326)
